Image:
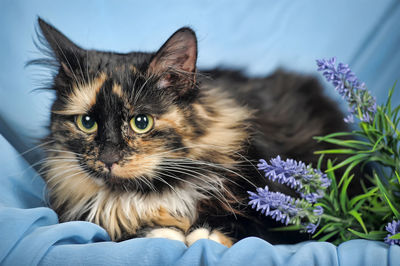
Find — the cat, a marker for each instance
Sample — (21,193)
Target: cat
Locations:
(145,145)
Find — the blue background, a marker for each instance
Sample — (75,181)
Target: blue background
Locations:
(256,36)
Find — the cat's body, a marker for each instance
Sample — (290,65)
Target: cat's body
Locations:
(143,145)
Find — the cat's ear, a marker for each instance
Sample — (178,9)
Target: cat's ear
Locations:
(175,61)
(65,51)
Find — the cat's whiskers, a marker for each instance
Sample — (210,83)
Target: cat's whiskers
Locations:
(48,168)
(217,166)
(203,169)
(147,182)
(36,147)
(31,166)
(158,177)
(140,91)
(216,184)
(37,163)
(211,182)
(133,92)
(205,190)
(61,174)
(78,155)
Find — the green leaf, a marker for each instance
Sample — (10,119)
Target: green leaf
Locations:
(359,204)
(388,104)
(320,159)
(394,210)
(337,134)
(331,175)
(356,144)
(396,236)
(358,158)
(392,125)
(377,142)
(343,194)
(328,236)
(398,176)
(360,197)
(327,228)
(336,151)
(356,215)
(387,161)
(386,196)
(295,227)
(347,172)
(373,235)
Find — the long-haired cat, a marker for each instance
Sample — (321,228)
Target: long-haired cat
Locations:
(144,145)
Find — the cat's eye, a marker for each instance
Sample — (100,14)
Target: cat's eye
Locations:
(142,123)
(86,123)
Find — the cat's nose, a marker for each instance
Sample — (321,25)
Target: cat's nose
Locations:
(109,156)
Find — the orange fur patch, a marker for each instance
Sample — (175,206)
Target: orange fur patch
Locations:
(223,239)
(164,218)
(116,89)
(83,96)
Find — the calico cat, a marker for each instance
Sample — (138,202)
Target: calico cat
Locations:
(144,145)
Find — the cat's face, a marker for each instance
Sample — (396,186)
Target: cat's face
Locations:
(125,117)
(120,137)
(136,121)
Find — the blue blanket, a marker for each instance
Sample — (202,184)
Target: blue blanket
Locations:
(256,36)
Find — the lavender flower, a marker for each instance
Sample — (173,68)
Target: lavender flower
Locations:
(308,182)
(310,228)
(284,172)
(360,101)
(318,210)
(393,228)
(279,206)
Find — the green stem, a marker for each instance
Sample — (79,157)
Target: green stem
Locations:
(333,218)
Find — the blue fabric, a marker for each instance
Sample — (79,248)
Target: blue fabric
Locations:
(258,36)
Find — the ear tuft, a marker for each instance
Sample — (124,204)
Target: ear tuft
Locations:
(176,60)
(65,51)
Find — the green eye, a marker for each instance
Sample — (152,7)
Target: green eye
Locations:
(86,123)
(142,123)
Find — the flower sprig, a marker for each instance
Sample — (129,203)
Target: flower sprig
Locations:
(361,103)
(309,183)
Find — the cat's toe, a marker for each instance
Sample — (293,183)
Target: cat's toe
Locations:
(204,233)
(170,233)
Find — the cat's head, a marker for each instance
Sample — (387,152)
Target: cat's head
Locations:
(137,121)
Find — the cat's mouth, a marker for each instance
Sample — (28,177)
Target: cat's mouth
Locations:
(144,179)
(125,177)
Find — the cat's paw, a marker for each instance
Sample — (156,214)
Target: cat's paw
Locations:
(204,233)
(170,233)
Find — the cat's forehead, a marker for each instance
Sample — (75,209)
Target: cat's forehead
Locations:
(113,89)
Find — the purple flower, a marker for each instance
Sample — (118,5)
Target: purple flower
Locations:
(393,228)
(349,119)
(284,172)
(308,182)
(318,211)
(350,88)
(310,228)
(312,197)
(275,204)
